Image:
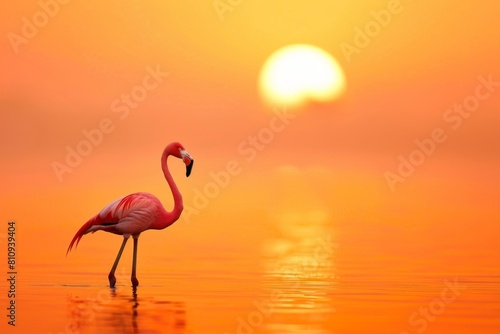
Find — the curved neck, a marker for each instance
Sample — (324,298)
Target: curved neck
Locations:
(172,216)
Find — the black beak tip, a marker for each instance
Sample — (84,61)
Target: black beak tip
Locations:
(189,167)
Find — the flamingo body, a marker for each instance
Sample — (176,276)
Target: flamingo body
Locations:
(135,213)
(130,215)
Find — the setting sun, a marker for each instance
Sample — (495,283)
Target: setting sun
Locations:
(298,73)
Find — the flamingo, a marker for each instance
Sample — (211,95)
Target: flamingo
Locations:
(133,214)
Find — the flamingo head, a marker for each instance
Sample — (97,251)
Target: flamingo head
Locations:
(180,152)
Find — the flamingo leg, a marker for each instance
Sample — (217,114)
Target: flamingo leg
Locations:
(134,280)
(111,276)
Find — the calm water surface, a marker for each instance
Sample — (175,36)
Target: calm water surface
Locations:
(307,283)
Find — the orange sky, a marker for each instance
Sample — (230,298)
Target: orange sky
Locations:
(65,78)
(325,173)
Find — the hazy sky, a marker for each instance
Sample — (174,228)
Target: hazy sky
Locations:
(72,74)
(400,82)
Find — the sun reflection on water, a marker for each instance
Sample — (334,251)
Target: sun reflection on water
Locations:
(300,273)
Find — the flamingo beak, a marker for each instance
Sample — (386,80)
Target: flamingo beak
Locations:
(189,165)
(188,161)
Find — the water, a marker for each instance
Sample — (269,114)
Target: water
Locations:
(310,282)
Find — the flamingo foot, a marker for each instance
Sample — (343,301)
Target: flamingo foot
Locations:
(112,280)
(134,280)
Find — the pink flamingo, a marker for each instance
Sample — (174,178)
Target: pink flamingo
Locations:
(133,214)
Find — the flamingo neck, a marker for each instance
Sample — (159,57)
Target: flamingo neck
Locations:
(170,217)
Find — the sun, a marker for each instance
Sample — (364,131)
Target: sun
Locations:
(299,73)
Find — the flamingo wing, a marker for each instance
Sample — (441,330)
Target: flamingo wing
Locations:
(128,214)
